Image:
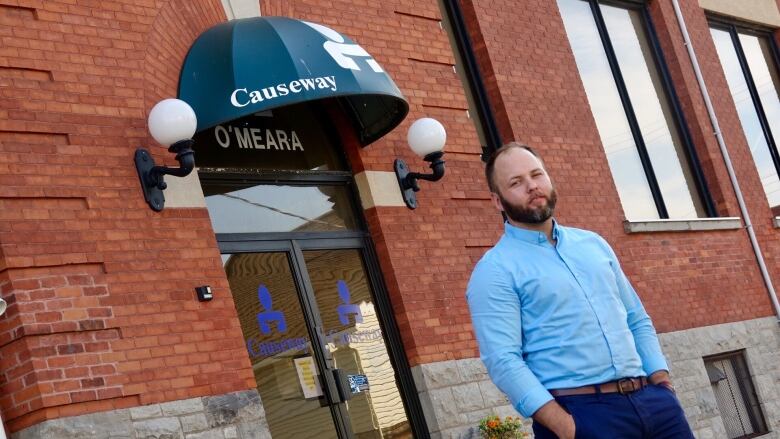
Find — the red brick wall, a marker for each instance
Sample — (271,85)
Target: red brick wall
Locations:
(477,40)
(102,309)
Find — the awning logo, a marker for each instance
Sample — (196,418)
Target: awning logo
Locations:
(343,52)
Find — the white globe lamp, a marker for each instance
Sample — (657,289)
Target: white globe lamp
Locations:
(172,123)
(172,120)
(426,137)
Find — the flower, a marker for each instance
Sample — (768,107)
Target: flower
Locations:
(492,427)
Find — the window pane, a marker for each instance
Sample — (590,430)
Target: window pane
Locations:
(265,208)
(608,112)
(653,112)
(759,57)
(747,115)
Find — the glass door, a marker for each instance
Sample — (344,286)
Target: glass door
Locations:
(316,320)
(279,345)
(356,343)
(315,342)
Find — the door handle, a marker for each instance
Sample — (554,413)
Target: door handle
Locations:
(342,384)
(329,380)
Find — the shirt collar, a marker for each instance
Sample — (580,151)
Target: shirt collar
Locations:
(532,236)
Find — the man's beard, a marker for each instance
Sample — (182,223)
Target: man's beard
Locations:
(530,215)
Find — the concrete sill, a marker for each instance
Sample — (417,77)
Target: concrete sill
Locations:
(684,225)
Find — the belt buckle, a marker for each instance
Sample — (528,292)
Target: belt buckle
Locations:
(626,391)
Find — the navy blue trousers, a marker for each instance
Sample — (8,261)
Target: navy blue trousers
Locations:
(650,413)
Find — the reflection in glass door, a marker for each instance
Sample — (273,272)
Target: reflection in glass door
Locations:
(278,344)
(355,340)
(273,300)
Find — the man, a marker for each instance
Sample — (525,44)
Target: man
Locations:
(560,329)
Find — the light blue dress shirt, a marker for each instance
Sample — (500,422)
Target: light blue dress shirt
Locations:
(557,316)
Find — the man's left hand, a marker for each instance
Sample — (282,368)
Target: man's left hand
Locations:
(661,377)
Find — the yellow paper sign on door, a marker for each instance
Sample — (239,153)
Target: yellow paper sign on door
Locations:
(308,377)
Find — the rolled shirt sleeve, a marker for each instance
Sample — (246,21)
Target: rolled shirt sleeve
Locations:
(497,320)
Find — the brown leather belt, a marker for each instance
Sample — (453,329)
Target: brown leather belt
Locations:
(623,386)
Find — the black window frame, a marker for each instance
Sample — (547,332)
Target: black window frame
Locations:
(734,28)
(701,188)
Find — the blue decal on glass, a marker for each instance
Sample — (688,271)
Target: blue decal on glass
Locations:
(269,315)
(358,383)
(347,308)
(260,349)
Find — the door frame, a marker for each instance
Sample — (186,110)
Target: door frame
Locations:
(360,240)
(314,327)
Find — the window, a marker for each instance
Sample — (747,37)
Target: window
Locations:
(735,394)
(749,62)
(650,155)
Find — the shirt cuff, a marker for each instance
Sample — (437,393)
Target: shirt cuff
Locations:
(532,402)
(654,364)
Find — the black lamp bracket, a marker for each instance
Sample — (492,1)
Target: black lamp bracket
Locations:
(152,177)
(408,180)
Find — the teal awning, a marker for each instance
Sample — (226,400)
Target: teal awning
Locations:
(254,64)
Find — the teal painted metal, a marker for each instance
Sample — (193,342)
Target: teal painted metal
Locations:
(244,66)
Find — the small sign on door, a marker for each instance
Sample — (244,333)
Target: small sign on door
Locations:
(358,383)
(308,377)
